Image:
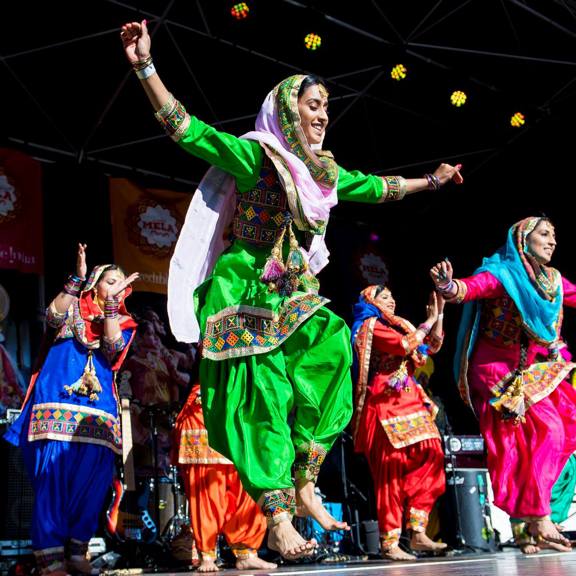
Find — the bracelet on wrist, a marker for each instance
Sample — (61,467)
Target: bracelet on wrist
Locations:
(146,72)
(141,64)
(445,288)
(111,308)
(425,327)
(73,285)
(440,316)
(433,181)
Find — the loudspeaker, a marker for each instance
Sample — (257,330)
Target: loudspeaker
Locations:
(17,498)
(465,513)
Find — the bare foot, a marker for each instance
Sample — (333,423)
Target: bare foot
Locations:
(284,538)
(553,546)
(397,554)
(207,564)
(545,529)
(309,504)
(420,542)
(254,563)
(529,549)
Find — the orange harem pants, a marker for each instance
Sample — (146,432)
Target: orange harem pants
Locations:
(220,505)
(407,482)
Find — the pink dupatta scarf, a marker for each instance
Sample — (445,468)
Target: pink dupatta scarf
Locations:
(309,178)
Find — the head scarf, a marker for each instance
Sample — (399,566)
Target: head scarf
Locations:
(308,176)
(536,290)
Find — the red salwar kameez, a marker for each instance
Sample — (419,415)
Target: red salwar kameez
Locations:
(395,428)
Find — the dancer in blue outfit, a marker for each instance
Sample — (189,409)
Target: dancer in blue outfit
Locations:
(69,427)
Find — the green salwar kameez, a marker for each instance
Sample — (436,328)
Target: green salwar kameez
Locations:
(275,369)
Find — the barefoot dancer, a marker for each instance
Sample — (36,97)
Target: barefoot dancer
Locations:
(269,345)
(394,420)
(525,406)
(217,501)
(69,428)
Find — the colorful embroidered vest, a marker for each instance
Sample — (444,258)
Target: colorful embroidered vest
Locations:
(501,322)
(261,212)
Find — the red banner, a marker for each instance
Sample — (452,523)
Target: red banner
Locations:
(20,212)
(145,226)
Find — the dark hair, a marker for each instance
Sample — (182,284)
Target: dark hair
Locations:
(310,80)
(111,268)
(379,288)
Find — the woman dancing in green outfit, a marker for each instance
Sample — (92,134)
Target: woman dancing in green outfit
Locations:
(269,346)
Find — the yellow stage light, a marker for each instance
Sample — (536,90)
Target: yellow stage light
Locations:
(458,98)
(312,41)
(399,72)
(518,120)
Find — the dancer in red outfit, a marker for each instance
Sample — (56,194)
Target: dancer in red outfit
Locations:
(394,420)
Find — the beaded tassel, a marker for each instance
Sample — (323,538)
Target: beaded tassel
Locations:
(295,266)
(399,380)
(512,402)
(274,268)
(88,384)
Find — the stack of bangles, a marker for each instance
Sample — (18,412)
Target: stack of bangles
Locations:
(446,289)
(144,68)
(73,285)
(433,181)
(110,308)
(425,327)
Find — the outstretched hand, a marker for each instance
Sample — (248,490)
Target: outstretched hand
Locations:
(446,172)
(136,41)
(119,287)
(81,267)
(442,273)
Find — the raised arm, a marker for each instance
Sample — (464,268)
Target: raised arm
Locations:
(137,43)
(475,287)
(354,186)
(58,308)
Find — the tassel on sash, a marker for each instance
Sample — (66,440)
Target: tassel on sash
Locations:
(88,384)
(281,277)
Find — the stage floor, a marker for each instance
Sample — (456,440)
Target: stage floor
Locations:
(508,563)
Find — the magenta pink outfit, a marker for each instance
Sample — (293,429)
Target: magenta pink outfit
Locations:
(524,459)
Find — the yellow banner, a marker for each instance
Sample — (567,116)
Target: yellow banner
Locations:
(145,226)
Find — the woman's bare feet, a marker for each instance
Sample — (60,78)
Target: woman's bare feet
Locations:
(285,539)
(254,563)
(421,543)
(207,564)
(554,546)
(397,554)
(309,504)
(545,529)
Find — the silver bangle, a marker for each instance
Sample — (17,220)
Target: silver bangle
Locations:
(146,72)
(441,315)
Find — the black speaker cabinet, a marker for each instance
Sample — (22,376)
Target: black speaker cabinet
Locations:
(17,497)
(465,511)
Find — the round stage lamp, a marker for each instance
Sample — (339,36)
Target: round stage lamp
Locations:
(518,120)
(240,10)
(458,98)
(399,72)
(312,41)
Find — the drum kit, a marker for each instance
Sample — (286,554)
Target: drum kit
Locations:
(151,524)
